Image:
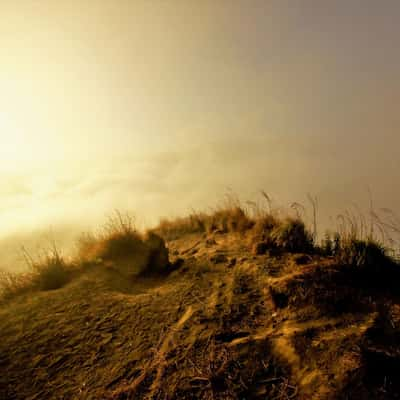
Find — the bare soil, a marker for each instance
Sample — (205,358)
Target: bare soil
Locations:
(226,324)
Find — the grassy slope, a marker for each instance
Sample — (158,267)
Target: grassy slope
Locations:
(260,327)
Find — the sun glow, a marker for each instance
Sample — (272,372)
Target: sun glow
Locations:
(23,134)
(156,107)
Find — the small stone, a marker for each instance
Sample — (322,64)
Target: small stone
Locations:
(218,258)
(232,262)
(210,242)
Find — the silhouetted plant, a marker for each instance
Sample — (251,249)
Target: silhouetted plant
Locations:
(291,235)
(50,271)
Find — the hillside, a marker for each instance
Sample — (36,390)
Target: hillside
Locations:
(228,318)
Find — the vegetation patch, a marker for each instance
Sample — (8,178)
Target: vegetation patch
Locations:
(292,236)
(255,308)
(12,284)
(48,271)
(119,244)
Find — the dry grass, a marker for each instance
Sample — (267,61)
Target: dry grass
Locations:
(287,235)
(292,235)
(223,220)
(266,227)
(263,328)
(12,284)
(229,216)
(364,240)
(358,240)
(120,244)
(363,253)
(47,271)
(171,229)
(50,272)
(265,224)
(287,228)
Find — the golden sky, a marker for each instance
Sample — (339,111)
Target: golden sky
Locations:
(160,106)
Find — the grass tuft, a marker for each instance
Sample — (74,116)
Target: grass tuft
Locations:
(232,218)
(363,254)
(291,235)
(46,272)
(172,229)
(13,284)
(51,273)
(121,245)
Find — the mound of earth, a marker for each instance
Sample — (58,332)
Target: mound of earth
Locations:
(226,324)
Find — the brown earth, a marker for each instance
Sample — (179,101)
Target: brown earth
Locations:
(227,324)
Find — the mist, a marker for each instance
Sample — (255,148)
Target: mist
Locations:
(159,108)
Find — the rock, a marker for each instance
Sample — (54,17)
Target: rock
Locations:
(158,257)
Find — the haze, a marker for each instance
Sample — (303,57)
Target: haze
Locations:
(159,106)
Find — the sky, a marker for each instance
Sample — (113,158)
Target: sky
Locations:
(159,107)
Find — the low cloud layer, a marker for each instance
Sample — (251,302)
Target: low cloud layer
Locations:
(173,182)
